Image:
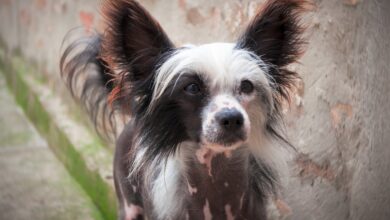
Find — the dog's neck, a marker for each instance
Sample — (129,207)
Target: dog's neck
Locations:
(216,186)
(219,186)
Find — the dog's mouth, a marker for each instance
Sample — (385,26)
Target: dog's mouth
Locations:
(221,142)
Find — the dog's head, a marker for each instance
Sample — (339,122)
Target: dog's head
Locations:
(214,92)
(220,95)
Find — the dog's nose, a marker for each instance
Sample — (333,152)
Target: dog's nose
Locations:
(230,119)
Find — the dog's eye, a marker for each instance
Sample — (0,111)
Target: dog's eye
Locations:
(192,89)
(246,87)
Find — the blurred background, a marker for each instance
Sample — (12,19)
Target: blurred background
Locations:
(53,166)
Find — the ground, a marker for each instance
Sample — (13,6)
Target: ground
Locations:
(33,183)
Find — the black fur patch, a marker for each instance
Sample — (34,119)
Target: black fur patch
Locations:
(174,118)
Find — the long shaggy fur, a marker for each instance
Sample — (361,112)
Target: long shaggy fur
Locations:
(89,81)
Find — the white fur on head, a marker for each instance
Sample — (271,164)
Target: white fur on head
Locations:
(221,64)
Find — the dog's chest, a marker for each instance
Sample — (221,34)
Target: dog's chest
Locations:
(216,189)
(204,186)
(219,188)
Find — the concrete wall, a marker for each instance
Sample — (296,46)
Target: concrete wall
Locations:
(339,120)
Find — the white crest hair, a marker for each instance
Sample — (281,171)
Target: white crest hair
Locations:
(220,63)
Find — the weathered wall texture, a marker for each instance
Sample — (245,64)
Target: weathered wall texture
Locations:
(339,120)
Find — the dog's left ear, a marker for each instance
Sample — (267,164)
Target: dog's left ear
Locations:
(274,35)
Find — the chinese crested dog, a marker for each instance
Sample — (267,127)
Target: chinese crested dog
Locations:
(201,119)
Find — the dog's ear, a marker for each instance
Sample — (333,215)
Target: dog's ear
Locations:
(133,41)
(274,35)
(132,46)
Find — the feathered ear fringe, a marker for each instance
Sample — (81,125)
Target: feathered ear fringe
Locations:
(275,36)
(131,47)
(88,81)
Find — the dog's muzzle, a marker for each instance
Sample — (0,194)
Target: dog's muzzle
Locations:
(227,128)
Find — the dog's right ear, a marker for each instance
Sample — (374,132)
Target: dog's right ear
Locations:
(132,46)
(133,41)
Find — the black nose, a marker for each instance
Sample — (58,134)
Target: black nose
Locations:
(230,119)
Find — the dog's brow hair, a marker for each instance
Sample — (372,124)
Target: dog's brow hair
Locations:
(217,61)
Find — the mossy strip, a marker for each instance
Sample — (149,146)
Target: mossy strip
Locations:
(73,157)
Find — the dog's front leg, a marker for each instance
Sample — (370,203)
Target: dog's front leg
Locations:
(129,198)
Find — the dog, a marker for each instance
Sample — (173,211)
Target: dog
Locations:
(201,120)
